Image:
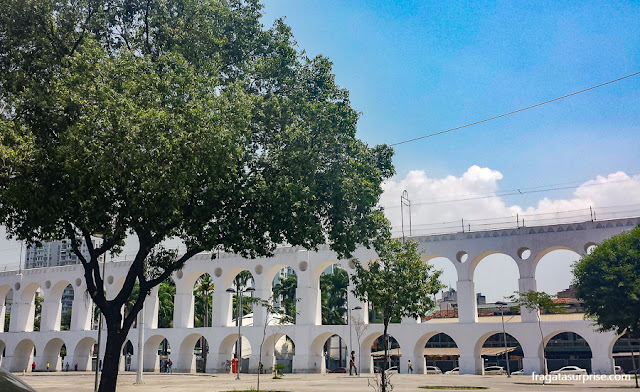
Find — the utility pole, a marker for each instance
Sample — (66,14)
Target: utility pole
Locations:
(404,201)
(504,335)
(140,346)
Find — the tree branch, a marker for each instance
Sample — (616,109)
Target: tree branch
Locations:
(174,267)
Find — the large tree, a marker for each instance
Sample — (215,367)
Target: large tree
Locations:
(608,282)
(399,284)
(181,118)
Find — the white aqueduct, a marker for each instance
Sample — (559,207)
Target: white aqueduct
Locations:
(22,345)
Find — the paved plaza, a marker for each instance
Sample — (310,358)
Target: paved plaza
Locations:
(83,382)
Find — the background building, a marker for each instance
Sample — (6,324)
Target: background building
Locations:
(55,253)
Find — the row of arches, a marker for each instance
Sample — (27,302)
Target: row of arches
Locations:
(199,292)
(53,312)
(327,352)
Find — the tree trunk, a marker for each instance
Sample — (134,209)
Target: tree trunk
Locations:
(111,361)
(544,357)
(386,356)
(635,368)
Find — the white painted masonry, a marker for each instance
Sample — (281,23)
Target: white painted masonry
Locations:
(464,250)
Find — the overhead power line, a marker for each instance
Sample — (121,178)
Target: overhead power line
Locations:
(517,192)
(515,111)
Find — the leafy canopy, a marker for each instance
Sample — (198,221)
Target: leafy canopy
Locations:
(608,282)
(285,294)
(333,288)
(176,119)
(537,301)
(398,284)
(180,118)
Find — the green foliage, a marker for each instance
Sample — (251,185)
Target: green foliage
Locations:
(333,287)
(277,370)
(398,284)
(286,289)
(65,321)
(608,282)
(38,312)
(166,295)
(7,317)
(128,305)
(537,301)
(203,292)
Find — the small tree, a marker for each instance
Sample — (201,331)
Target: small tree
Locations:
(608,282)
(360,327)
(271,309)
(399,284)
(537,302)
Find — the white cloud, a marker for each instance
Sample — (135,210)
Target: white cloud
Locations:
(617,194)
(440,204)
(481,187)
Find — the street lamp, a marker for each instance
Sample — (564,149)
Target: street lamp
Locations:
(239,321)
(504,335)
(350,340)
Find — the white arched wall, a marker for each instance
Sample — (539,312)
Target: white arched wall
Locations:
(51,354)
(52,305)
(151,360)
(225,350)
(556,265)
(4,290)
(465,331)
(23,308)
(185,360)
(316,352)
(23,356)
(82,353)
(496,276)
(268,349)
(2,353)
(419,361)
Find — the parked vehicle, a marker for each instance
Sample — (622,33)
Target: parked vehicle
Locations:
(518,372)
(494,370)
(455,370)
(618,369)
(338,370)
(433,370)
(11,383)
(569,370)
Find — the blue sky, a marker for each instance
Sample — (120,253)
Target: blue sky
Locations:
(419,67)
(416,67)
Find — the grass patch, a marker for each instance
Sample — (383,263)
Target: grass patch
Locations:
(451,387)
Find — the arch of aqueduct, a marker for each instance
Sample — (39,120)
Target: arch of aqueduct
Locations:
(464,250)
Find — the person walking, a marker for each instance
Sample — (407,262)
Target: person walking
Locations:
(352,363)
(66,368)
(33,367)
(409,367)
(47,366)
(169,364)
(76,367)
